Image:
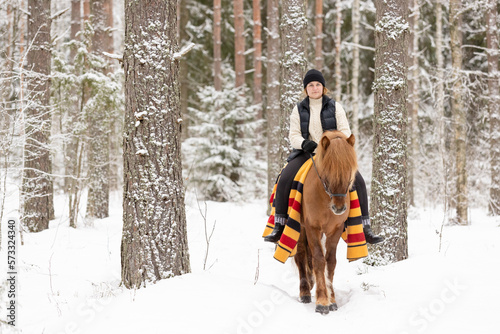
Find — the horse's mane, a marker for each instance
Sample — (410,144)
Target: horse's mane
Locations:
(337,161)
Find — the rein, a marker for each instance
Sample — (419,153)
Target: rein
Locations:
(327,191)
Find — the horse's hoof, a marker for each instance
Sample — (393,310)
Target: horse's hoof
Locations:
(305,299)
(333,307)
(322,309)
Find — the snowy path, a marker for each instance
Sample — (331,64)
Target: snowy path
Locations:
(69,282)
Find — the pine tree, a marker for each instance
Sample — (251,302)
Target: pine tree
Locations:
(293,63)
(389,178)
(37,187)
(154,241)
(223,143)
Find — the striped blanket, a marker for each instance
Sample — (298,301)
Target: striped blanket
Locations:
(287,245)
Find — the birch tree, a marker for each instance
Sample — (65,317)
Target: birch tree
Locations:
(37,186)
(493,105)
(458,112)
(389,179)
(154,241)
(274,114)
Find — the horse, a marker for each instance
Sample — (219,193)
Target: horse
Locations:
(325,208)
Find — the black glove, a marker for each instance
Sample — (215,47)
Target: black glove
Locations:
(309,145)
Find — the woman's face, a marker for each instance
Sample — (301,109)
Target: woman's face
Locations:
(314,89)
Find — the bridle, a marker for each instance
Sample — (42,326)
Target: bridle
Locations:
(327,190)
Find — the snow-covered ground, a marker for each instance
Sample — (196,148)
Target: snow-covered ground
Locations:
(69,281)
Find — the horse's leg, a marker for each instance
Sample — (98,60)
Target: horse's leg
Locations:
(331,262)
(319,264)
(301,260)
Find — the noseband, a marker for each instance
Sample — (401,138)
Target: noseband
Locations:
(327,190)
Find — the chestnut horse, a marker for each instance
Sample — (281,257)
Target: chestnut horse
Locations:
(325,208)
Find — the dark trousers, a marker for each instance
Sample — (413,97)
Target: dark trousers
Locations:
(285,185)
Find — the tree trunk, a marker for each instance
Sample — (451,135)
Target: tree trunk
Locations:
(154,241)
(413,87)
(355,71)
(389,180)
(274,114)
(73,145)
(338,41)
(458,112)
(493,105)
(318,36)
(217,46)
(98,124)
(257,44)
(76,26)
(37,187)
(293,64)
(442,119)
(239,43)
(86,10)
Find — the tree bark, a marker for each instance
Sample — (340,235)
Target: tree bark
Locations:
(389,179)
(318,35)
(275,155)
(37,186)
(293,64)
(257,63)
(239,43)
(493,105)
(458,112)
(154,241)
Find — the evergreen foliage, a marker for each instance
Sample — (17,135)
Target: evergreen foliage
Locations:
(220,156)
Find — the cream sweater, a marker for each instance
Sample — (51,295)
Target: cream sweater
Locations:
(315,128)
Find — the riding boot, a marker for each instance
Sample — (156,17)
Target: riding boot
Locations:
(370,237)
(279,226)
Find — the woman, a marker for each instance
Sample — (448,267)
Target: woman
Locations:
(311,117)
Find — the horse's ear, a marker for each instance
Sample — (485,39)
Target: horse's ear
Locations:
(351,140)
(325,142)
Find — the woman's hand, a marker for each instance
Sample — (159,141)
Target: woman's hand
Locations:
(309,145)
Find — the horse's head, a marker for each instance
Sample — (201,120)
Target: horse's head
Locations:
(337,166)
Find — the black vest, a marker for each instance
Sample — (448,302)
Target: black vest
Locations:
(328,120)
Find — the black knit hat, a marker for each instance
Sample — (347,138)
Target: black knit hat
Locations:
(314,75)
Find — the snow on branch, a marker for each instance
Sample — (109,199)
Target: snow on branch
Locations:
(183,51)
(59,13)
(114,56)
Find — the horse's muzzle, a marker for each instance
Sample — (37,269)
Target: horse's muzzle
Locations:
(338,211)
